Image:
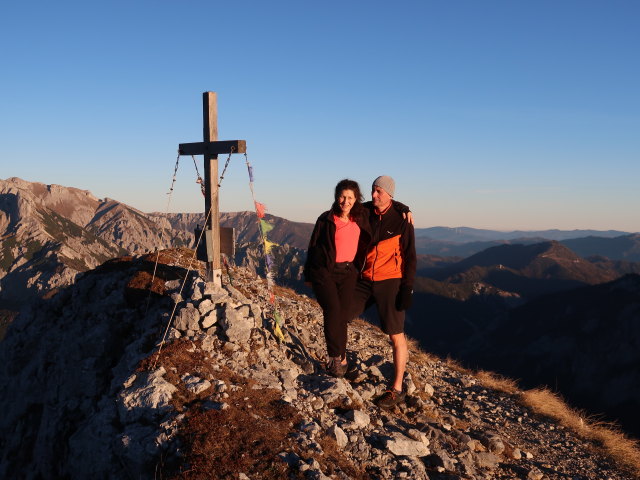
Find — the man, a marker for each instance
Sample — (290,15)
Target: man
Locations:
(387,278)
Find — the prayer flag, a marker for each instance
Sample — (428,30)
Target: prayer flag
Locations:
(260,209)
(266,227)
(268,245)
(278,332)
(269,261)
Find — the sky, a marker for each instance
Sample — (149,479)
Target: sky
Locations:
(498,114)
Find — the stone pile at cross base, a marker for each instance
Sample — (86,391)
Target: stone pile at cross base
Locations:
(87,395)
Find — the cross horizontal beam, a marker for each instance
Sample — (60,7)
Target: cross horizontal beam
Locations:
(213,148)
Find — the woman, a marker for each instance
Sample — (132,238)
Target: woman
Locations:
(339,240)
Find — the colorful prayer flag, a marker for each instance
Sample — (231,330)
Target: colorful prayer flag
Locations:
(268,259)
(266,227)
(260,209)
(268,246)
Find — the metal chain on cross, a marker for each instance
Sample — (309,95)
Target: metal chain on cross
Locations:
(199,180)
(175,173)
(226,164)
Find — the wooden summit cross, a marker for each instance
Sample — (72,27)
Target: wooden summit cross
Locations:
(210,147)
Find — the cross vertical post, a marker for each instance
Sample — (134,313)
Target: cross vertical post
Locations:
(210,134)
(211,147)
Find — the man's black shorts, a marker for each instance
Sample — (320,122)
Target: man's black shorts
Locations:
(383,294)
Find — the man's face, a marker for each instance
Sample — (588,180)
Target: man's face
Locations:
(380,198)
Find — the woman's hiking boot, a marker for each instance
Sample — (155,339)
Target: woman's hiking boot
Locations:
(335,367)
(390,398)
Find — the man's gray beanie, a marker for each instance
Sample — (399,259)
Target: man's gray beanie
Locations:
(386,183)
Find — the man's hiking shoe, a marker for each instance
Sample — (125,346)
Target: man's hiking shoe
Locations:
(390,399)
(335,367)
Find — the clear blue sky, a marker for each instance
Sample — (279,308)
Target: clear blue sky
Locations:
(489,114)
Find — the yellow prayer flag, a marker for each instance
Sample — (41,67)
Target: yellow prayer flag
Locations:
(268,246)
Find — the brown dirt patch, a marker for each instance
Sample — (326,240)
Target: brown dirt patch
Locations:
(244,438)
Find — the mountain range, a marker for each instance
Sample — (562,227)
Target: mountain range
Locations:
(50,234)
(467,235)
(625,247)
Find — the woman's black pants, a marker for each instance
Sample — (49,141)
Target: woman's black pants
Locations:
(334,294)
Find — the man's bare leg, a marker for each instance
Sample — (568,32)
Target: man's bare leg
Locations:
(400,355)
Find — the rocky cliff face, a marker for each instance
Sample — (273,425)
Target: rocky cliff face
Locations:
(42,246)
(90,391)
(50,233)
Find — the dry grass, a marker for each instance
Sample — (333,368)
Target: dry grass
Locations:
(456,366)
(418,355)
(622,449)
(493,381)
(618,446)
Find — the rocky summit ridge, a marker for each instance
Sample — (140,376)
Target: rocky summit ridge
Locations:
(90,391)
(50,233)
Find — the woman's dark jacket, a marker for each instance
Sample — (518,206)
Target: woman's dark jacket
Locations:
(321,254)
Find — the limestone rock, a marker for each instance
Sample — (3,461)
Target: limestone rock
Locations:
(147,395)
(535,474)
(418,436)
(398,444)
(210,320)
(196,385)
(428,389)
(205,306)
(338,434)
(237,327)
(188,318)
(486,460)
(358,418)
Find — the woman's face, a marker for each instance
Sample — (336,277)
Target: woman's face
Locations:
(346,200)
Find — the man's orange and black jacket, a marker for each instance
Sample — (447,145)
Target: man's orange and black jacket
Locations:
(392,250)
